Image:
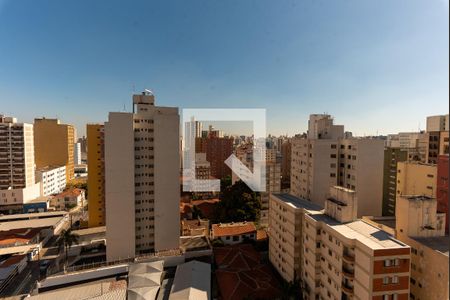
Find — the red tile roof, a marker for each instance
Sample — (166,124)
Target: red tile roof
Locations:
(261,235)
(18,236)
(12,260)
(70,193)
(230,229)
(240,274)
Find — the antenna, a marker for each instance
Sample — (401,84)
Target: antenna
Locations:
(124,108)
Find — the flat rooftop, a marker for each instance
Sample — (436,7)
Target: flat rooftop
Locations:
(297,202)
(7,218)
(31,223)
(438,243)
(366,233)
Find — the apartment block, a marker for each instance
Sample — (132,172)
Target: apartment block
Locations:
(17,169)
(142,181)
(392,156)
(52,179)
(286,213)
(54,145)
(328,158)
(437,123)
(337,255)
(416,178)
(420,225)
(96,170)
(442,188)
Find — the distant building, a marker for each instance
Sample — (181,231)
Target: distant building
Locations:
(195,227)
(233,233)
(77,154)
(52,179)
(286,149)
(54,145)
(96,174)
(217,150)
(142,182)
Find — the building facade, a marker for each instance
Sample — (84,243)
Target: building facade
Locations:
(415,178)
(442,188)
(391,157)
(217,150)
(17,168)
(142,182)
(54,145)
(52,179)
(96,174)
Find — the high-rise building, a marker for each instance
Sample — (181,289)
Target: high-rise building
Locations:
(77,154)
(286,150)
(437,134)
(437,123)
(326,158)
(217,150)
(96,174)
(54,145)
(392,156)
(442,188)
(333,254)
(17,169)
(142,182)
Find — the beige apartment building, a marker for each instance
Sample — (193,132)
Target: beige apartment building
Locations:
(419,225)
(336,255)
(54,145)
(416,178)
(142,183)
(17,169)
(326,159)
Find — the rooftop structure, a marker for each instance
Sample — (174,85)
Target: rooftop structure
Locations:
(192,282)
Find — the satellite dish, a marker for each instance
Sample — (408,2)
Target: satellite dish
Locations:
(148,92)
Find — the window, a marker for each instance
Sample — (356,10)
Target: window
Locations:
(395,279)
(385,280)
(387,263)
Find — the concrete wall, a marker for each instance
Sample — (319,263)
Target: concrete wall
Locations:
(119,190)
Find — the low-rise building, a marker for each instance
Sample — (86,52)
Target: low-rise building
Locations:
(68,199)
(233,233)
(52,179)
(194,227)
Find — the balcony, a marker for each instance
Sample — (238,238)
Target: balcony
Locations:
(347,289)
(348,258)
(348,273)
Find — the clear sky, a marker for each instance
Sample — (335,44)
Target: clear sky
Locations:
(375,65)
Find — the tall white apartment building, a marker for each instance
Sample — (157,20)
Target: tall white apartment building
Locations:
(142,181)
(17,178)
(77,154)
(333,254)
(327,158)
(52,179)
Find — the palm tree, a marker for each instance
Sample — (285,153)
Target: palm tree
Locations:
(66,239)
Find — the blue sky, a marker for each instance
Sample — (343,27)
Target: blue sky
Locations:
(377,66)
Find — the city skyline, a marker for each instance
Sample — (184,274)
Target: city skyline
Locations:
(379,61)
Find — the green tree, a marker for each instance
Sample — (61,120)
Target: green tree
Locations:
(67,239)
(238,203)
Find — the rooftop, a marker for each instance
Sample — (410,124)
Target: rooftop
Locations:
(70,193)
(40,215)
(366,233)
(16,237)
(229,229)
(297,202)
(31,223)
(438,243)
(240,274)
(192,281)
(193,243)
